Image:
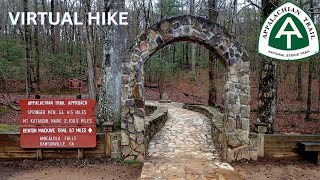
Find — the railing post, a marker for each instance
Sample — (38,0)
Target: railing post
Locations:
(39,155)
(107,128)
(80,150)
(39,151)
(261,129)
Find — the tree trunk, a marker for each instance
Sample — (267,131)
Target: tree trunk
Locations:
(193,45)
(173,59)
(146,12)
(268,80)
(234,12)
(52,36)
(187,56)
(309,101)
(299,82)
(183,53)
(89,52)
(110,91)
(161,76)
(213,15)
(37,50)
(319,93)
(27,35)
(57,29)
(46,28)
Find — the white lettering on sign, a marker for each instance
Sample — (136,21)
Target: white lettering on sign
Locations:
(70,138)
(40,103)
(81,130)
(78,103)
(62,130)
(59,103)
(71,130)
(49,138)
(46,130)
(86,121)
(36,112)
(56,120)
(79,112)
(51,112)
(29,130)
(37,121)
(70,112)
(71,121)
(53,144)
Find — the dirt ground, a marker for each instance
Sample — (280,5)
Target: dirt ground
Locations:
(68,170)
(265,169)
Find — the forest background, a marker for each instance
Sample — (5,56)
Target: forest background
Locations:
(42,59)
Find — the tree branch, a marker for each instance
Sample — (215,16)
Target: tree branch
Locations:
(255,5)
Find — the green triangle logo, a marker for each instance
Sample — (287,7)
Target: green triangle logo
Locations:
(288,34)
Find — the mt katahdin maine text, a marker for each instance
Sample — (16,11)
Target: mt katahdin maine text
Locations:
(58,18)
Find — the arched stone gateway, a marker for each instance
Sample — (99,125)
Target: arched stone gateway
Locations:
(235,138)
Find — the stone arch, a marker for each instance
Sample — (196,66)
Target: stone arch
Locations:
(235,136)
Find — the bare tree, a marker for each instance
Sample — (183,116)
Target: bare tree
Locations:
(37,50)
(52,28)
(193,45)
(268,79)
(161,76)
(110,90)
(28,48)
(213,15)
(90,52)
(299,81)
(309,102)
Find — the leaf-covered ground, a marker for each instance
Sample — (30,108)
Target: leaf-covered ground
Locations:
(290,117)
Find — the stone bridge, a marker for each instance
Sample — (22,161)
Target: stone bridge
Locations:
(184,147)
(235,134)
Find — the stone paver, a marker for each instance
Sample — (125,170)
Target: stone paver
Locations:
(183,149)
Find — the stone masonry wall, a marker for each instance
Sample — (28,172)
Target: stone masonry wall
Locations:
(237,95)
(154,122)
(216,119)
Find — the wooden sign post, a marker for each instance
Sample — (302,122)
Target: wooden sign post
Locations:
(75,84)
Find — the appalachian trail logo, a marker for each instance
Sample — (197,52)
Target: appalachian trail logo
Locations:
(288,34)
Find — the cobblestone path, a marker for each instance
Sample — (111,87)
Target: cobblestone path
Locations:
(183,149)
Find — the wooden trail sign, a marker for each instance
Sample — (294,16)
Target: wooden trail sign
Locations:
(57,123)
(58,137)
(75,83)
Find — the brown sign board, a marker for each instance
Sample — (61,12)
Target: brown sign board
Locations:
(57,123)
(75,83)
(57,137)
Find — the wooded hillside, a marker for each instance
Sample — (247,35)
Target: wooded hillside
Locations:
(41,59)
